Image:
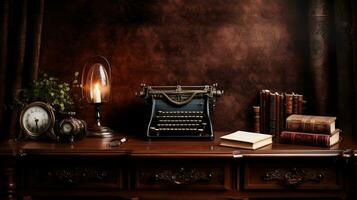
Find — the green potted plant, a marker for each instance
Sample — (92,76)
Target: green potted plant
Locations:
(58,94)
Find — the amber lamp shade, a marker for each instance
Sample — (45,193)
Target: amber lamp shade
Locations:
(96,89)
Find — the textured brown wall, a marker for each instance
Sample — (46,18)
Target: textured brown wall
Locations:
(243,45)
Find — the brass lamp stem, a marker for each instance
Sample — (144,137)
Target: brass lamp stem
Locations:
(97,113)
(98,130)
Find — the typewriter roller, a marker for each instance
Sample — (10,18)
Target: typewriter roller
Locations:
(180,111)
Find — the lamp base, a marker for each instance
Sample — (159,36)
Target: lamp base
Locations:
(100,131)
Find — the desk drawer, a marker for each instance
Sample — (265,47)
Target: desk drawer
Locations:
(68,173)
(178,174)
(298,173)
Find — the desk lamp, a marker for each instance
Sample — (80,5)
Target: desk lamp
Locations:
(96,89)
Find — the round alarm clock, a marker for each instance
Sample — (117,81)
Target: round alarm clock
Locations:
(37,119)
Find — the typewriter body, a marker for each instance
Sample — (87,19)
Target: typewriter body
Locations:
(180,111)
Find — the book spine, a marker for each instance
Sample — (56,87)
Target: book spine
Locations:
(295,104)
(304,103)
(266,111)
(308,125)
(256,110)
(281,113)
(300,103)
(262,122)
(277,114)
(272,116)
(305,138)
(288,105)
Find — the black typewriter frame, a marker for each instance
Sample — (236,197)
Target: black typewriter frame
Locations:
(187,103)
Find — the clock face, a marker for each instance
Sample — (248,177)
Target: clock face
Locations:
(36,119)
(66,128)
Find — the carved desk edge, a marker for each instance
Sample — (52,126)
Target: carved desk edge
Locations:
(135,147)
(17,149)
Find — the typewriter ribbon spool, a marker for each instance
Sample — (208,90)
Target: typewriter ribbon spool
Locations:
(180,111)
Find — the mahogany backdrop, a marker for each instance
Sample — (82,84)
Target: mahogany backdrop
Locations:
(244,46)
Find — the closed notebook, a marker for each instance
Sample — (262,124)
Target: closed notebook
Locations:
(246,140)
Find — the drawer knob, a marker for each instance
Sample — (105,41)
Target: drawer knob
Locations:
(293,177)
(183,176)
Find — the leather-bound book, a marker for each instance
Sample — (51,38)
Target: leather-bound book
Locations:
(311,123)
(312,139)
(266,111)
(277,114)
(272,111)
(300,103)
(295,104)
(256,110)
(262,108)
(288,104)
(281,115)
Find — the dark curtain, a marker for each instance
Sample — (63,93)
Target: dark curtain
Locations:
(346,66)
(20,39)
(332,61)
(319,62)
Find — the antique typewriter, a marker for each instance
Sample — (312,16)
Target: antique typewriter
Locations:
(180,111)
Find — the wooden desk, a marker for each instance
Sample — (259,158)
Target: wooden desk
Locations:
(140,169)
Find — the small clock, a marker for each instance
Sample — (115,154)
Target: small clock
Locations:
(71,129)
(37,119)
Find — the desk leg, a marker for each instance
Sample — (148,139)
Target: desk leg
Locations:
(8,183)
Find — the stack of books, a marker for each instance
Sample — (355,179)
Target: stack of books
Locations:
(310,130)
(274,108)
